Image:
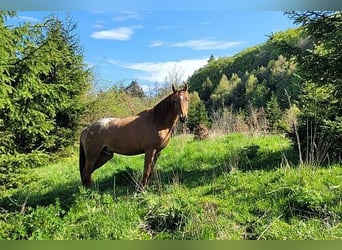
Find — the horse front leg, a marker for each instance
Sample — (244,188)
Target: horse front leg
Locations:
(150,160)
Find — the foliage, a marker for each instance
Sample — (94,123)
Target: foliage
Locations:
(43,78)
(274,113)
(13,168)
(227,121)
(319,70)
(255,74)
(295,67)
(197,113)
(135,90)
(115,102)
(42,83)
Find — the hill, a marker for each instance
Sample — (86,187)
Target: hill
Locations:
(228,187)
(296,73)
(251,76)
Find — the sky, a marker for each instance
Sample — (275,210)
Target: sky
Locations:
(148,45)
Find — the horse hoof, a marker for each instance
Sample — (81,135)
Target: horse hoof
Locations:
(87,183)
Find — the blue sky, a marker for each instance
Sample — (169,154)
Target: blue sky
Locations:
(146,46)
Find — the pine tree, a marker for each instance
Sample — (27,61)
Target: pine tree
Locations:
(320,73)
(197,112)
(135,90)
(43,79)
(273,113)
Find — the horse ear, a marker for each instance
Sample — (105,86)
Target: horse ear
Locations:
(186,87)
(174,88)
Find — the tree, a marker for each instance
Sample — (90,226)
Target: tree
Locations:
(281,79)
(320,72)
(207,89)
(174,77)
(211,58)
(221,92)
(43,80)
(273,113)
(197,112)
(135,90)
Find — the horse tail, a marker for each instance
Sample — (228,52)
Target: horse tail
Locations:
(81,159)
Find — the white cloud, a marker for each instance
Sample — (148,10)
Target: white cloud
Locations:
(97,12)
(158,71)
(120,34)
(157,44)
(126,15)
(28,19)
(206,44)
(199,44)
(99,26)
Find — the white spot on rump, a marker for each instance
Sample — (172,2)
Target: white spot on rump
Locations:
(104,123)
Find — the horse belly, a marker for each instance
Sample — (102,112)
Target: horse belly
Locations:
(125,142)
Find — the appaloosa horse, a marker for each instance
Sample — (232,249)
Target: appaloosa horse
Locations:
(147,132)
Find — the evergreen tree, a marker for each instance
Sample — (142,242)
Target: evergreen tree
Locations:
(273,113)
(197,112)
(320,72)
(135,90)
(43,79)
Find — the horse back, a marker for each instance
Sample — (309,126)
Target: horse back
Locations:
(130,135)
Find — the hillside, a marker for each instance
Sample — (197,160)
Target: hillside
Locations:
(229,187)
(293,79)
(251,76)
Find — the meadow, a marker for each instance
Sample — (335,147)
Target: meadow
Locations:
(230,187)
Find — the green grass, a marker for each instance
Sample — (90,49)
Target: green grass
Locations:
(231,187)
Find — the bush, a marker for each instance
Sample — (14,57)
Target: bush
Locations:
(165,215)
(13,168)
(201,132)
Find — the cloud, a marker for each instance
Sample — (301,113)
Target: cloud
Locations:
(119,34)
(199,44)
(159,71)
(206,44)
(28,19)
(126,15)
(99,26)
(157,44)
(97,12)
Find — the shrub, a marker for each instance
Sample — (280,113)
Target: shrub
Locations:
(13,168)
(201,132)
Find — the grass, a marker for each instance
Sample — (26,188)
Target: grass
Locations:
(229,187)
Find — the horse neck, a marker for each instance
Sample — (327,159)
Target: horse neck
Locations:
(164,113)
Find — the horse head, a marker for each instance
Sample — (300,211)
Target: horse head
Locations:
(181,101)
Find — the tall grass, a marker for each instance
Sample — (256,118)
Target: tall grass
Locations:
(229,187)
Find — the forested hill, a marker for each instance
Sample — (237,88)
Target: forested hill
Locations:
(295,72)
(251,76)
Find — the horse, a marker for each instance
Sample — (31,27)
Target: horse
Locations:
(147,132)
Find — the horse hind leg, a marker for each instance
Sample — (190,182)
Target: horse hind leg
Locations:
(90,162)
(105,156)
(93,164)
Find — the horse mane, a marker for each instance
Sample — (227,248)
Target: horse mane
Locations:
(164,107)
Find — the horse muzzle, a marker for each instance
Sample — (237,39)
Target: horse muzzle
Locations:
(183,119)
